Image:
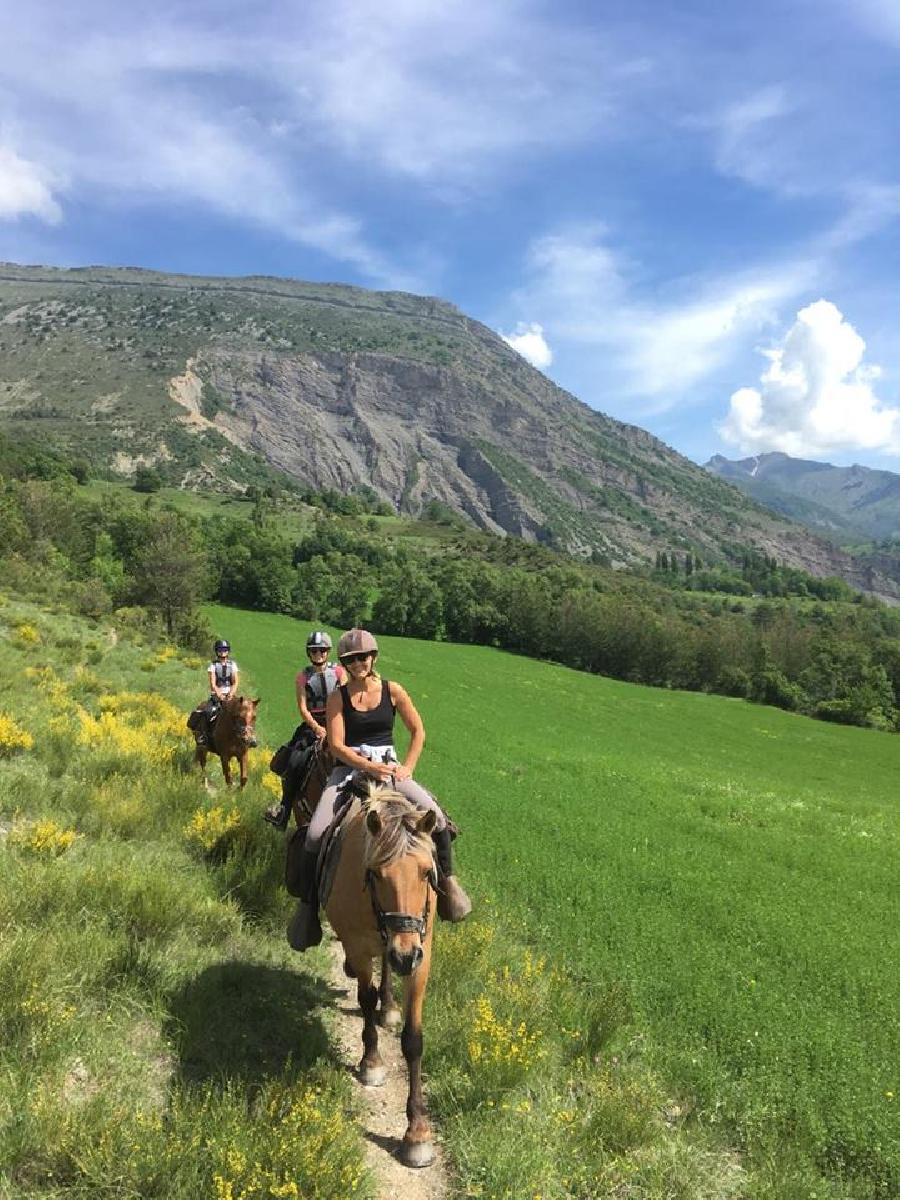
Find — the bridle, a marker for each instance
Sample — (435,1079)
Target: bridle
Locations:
(398,922)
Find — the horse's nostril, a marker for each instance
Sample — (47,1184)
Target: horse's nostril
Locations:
(251,741)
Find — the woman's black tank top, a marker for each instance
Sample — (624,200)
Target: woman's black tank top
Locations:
(372,728)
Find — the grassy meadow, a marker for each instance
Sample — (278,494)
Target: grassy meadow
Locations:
(716,881)
(677,984)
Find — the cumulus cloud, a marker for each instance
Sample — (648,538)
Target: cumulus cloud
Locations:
(817,394)
(529,341)
(25,189)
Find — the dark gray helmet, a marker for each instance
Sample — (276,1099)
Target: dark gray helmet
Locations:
(221,644)
(318,640)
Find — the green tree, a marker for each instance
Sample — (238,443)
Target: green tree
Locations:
(169,570)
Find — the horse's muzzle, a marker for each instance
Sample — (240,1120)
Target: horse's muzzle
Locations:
(405,962)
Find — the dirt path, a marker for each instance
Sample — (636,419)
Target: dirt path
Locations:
(383,1109)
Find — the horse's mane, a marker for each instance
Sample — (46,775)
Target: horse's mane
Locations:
(398,835)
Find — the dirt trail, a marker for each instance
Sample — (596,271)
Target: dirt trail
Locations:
(383,1109)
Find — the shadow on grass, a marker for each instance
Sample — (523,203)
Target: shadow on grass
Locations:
(245,1021)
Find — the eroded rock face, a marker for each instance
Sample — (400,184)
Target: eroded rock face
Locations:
(525,463)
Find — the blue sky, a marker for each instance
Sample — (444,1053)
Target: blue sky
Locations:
(686,214)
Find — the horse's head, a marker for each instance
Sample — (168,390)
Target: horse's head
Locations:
(401,876)
(243,719)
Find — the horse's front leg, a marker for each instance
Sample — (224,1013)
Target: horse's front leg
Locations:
(200,760)
(243,762)
(372,1071)
(417,1149)
(226,768)
(389,1013)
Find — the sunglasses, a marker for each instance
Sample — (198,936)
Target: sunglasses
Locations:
(317,650)
(353,658)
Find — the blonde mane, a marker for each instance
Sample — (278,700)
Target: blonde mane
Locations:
(398,835)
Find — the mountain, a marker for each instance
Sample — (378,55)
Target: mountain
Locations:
(845,502)
(217,382)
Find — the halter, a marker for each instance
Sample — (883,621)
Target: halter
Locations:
(397,922)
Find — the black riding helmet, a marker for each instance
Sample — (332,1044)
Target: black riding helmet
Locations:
(318,640)
(221,644)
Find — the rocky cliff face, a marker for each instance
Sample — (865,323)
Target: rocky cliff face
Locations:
(340,388)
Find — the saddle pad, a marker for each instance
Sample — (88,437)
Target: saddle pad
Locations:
(330,853)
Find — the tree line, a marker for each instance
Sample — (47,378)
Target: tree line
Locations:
(812,646)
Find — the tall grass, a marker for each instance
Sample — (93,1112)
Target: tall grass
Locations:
(157,1039)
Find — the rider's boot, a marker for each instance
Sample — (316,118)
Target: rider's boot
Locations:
(453,904)
(305,929)
(279,814)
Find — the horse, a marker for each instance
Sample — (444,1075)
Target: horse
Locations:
(381,906)
(233,735)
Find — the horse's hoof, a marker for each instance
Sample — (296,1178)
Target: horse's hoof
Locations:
(373,1076)
(390,1018)
(417,1154)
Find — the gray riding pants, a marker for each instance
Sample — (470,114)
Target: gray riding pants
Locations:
(324,813)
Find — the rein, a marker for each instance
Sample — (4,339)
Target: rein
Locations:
(398,922)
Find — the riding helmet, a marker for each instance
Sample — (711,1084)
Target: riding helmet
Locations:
(357,641)
(318,640)
(221,644)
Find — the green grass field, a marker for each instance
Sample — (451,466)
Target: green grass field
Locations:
(730,869)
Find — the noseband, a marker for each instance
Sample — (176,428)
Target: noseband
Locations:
(397,922)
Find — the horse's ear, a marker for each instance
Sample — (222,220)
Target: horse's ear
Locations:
(426,822)
(373,822)
(255,702)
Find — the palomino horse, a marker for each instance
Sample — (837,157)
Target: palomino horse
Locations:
(233,734)
(381,905)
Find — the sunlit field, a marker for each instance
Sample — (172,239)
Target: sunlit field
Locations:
(727,870)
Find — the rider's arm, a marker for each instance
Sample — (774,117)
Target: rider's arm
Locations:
(213,686)
(334,722)
(409,715)
(234,682)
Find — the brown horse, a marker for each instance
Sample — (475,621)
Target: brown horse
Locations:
(320,768)
(381,905)
(233,735)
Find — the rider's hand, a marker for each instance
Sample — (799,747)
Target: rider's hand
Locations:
(382,771)
(320,731)
(400,772)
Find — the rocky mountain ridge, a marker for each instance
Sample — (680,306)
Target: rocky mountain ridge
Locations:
(338,387)
(844,502)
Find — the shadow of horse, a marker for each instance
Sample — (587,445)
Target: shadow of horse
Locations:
(244,1021)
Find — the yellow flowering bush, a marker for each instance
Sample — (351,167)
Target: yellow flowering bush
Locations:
(271,783)
(42,837)
(27,634)
(506,1048)
(13,737)
(208,827)
(138,724)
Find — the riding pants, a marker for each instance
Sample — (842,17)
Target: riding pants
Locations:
(324,813)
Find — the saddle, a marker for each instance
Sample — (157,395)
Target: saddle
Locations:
(329,849)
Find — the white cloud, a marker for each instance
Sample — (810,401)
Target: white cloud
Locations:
(816,396)
(529,341)
(593,299)
(25,189)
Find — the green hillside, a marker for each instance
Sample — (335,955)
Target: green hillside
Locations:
(731,867)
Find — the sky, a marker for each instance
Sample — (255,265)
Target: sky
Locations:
(686,215)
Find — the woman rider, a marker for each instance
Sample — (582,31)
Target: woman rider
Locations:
(223,680)
(360,721)
(314,684)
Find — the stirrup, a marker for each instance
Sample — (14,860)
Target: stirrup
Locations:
(278,816)
(452,903)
